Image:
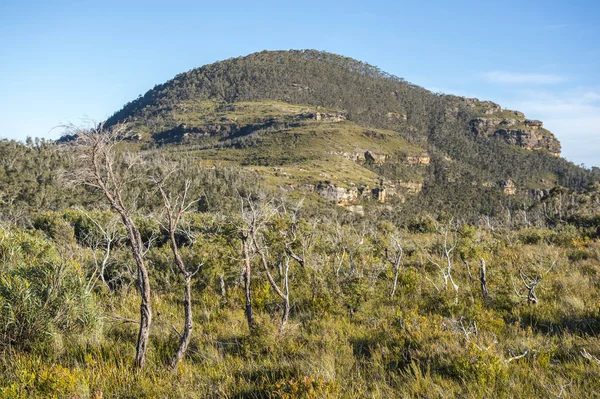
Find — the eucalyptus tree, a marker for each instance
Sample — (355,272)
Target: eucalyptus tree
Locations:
(115,173)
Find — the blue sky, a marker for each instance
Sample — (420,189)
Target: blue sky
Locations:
(64,61)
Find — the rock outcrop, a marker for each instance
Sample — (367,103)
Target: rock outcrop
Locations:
(525,133)
(328,116)
(379,193)
(508,187)
(396,117)
(334,193)
(377,159)
(423,159)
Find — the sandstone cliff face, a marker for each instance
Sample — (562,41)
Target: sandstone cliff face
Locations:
(524,133)
(375,158)
(334,193)
(423,159)
(396,117)
(508,187)
(328,116)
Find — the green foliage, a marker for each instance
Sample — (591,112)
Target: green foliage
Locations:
(346,336)
(40,293)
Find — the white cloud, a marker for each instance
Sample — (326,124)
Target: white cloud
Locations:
(505,77)
(572,115)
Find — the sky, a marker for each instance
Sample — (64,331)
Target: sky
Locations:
(70,61)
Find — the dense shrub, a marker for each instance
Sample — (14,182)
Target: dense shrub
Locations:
(41,294)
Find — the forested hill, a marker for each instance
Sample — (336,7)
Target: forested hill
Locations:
(471,143)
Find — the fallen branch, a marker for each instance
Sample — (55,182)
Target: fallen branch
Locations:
(518,357)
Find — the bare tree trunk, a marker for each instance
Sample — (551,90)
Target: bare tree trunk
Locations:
(286,312)
(483,280)
(175,209)
(135,241)
(222,282)
(189,323)
(396,272)
(247,281)
(285,296)
(187,301)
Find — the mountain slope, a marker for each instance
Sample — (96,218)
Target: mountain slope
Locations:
(301,109)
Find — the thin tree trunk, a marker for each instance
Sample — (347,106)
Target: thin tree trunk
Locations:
(286,312)
(396,272)
(187,301)
(483,280)
(247,282)
(284,296)
(187,329)
(135,241)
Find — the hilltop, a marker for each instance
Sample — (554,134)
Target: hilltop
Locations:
(320,122)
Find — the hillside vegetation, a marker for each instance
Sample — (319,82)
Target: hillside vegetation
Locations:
(298,225)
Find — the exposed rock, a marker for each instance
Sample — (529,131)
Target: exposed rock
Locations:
(509,122)
(375,158)
(540,195)
(334,193)
(484,126)
(533,137)
(491,106)
(529,139)
(328,116)
(299,87)
(533,124)
(423,159)
(396,117)
(307,188)
(379,194)
(353,156)
(411,187)
(508,187)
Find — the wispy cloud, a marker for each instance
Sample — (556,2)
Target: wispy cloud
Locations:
(573,115)
(506,77)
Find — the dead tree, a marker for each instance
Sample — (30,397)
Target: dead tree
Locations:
(448,233)
(530,283)
(175,207)
(292,237)
(246,273)
(483,279)
(105,169)
(109,235)
(284,291)
(251,219)
(258,215)
(395,260)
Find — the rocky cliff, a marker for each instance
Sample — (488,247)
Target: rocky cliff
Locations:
(512,127)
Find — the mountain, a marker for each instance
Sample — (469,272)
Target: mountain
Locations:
(319,122)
